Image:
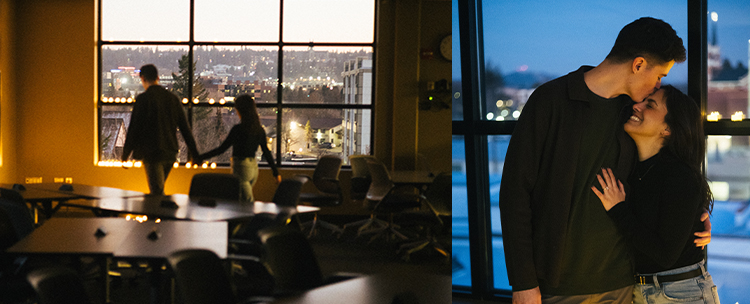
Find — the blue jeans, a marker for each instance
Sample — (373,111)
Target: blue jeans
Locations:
(700,289)
(156,175)
(246,169)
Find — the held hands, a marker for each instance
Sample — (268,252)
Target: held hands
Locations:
(613,192)
(704,237)
(529,296)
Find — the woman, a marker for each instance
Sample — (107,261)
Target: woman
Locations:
(667,196)
(244,138)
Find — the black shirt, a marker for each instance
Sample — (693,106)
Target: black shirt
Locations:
(245,138)
(660,214)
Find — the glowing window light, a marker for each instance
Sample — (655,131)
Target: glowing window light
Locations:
(738,116)
(714,116)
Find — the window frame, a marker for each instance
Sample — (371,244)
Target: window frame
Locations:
(475,131)
(191,44)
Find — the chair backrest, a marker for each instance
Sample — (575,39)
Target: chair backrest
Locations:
(216,185)
(58,285)
(361,179)
(287,193)
(326,172)
(201,277)
(439,193)
(381,180)
(290,259)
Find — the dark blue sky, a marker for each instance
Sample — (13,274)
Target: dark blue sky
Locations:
(557,37)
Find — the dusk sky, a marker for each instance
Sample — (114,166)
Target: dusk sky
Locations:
(557,37)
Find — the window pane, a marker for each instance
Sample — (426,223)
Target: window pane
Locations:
(145,20)
(225,72)
(497,146)
(527,45)
(114,124)
(347,21)
(457,106)
(728,57)
(121,64)
(461,257)
(308,134)
(212,124)
(328,75)
(228,20)
(728,170)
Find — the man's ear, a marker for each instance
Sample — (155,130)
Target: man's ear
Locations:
(638,64)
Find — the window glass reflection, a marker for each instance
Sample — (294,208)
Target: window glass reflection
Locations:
(528,45)
(461,257)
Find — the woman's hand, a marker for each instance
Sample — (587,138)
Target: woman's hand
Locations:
(613,192)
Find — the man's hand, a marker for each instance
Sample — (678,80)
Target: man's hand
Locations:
(529,296)
(704,237)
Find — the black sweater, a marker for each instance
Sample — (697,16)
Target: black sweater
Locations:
(660,214)
(245,140)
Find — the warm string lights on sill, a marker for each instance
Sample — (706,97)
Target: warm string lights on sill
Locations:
(716,116)
(184,100)
(117,100)
(738,116)
(138,164)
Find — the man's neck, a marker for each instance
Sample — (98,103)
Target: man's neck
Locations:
(607,80)
(147,84)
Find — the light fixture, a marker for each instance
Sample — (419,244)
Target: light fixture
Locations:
(738,116)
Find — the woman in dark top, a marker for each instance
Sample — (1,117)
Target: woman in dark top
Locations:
(667,196)
(244,138)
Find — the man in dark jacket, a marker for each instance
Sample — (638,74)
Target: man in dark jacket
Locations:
(152,134)
(557,238)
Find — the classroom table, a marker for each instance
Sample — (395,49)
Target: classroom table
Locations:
(105,238)
(417,178)
(384,288)
(185,207)
(42,195)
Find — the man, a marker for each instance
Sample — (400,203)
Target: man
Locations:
(152,134)
(558,239)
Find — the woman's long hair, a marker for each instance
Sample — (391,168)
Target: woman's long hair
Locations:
(245,105)
(687,141)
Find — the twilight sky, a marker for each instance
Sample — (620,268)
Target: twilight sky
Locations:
(557,37)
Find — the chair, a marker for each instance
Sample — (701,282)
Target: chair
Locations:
(326,181)
(244,240)
(384,198)
(291,260)
(216,185)
(58,285)
(361,178)
(201,277)
(437,199)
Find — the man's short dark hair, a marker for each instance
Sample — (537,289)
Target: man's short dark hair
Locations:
(650,38)
(149,73)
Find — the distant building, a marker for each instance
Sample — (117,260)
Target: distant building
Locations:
(356,124)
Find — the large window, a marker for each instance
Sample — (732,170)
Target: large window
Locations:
(308,64)
(513,47)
